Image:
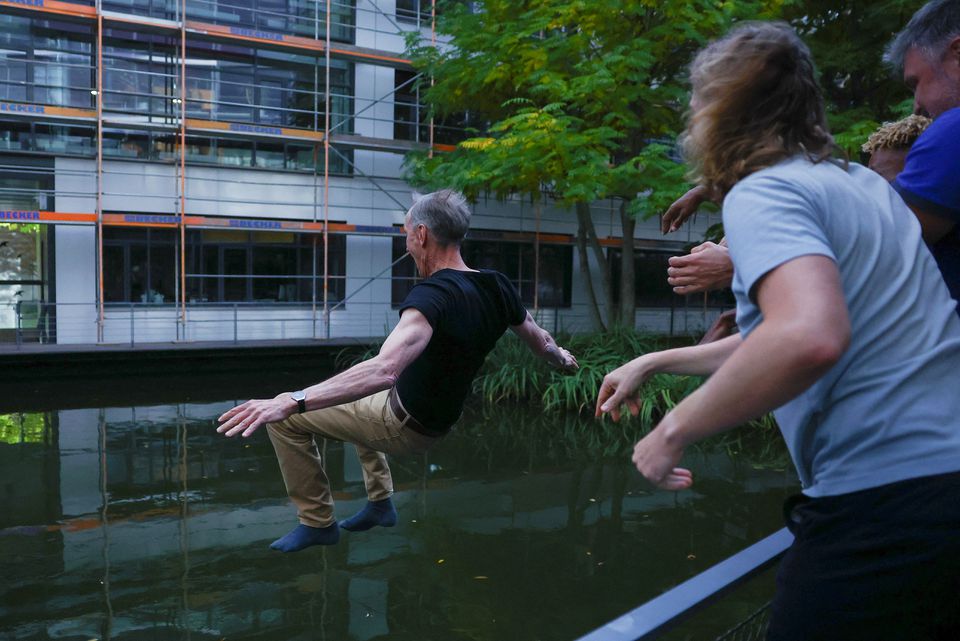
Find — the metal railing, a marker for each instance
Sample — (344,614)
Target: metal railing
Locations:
(658,615)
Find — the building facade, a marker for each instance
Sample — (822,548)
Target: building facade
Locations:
(232,169)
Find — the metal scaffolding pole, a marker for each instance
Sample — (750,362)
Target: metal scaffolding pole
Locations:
(326,181)
(99,97)
(183,167)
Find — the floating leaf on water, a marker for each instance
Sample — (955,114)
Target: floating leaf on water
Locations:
(691,557)
(480,577)
(439,561)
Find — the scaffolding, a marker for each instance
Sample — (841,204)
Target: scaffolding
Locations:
(210,22)
(166,86)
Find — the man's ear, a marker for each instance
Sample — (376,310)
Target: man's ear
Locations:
(953,53)
(421,234)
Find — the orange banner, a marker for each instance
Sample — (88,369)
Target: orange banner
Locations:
(53,6)
(21,109)
(197,124)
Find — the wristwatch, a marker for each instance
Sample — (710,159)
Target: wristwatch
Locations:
(301,398)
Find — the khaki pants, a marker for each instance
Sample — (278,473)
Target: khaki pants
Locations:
(369,424)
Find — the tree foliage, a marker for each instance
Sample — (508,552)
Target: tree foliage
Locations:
(579,96)
(582,100)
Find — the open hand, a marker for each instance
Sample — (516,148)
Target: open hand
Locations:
(621,387)
(247,417)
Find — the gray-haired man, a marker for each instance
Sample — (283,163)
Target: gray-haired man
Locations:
(404,399)
(928,53)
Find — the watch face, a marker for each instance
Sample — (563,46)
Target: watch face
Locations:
(299,395)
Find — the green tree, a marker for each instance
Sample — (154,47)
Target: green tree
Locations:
(583,99)
(847,40)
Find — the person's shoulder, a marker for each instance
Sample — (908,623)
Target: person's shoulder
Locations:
(949,118)
(943,133)
(793,174)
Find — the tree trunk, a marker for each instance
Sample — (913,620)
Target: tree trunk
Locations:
(628,297)
(585,221)
(594,308)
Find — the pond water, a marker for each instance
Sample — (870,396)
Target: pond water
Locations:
(143,523)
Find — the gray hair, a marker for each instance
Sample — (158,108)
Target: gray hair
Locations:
(445,213)
(928,31)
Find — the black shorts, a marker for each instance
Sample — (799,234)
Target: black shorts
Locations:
(879,565)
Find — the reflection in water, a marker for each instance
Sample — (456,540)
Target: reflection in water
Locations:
(115,522)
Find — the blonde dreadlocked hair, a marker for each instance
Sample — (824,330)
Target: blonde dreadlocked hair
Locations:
(896,135)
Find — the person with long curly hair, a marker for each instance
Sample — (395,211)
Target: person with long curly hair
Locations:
(848,334)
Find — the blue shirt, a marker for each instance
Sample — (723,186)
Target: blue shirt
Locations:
(889,409)
(930,181)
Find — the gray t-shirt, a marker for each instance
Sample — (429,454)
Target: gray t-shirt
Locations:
(889,410)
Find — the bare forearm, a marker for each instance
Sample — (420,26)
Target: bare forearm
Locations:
(697,360)
(363,379)
(768,369)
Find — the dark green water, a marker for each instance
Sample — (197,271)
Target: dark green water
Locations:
(143,523)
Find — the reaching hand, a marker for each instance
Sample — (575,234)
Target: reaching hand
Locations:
(248,417)
(567,362)
(725,325)
(682,208)
(706,267)
(656,458)
(620,387)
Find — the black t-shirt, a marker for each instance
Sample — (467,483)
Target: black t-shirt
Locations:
(469,311)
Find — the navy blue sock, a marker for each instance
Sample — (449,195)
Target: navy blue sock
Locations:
(303,536)
(374,513)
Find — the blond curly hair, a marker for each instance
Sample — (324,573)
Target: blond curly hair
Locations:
(897,135)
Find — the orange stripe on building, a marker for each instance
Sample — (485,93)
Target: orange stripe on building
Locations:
(28,110)
(52,6)
(197,124)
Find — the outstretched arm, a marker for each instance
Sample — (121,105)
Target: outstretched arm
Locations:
(622,385)
(805,331)
(542,344)
(404,344)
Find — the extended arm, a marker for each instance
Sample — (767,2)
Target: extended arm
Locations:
(404,344)
(805,331)
(621,386)
(542,344)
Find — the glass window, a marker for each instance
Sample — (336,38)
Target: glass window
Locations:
(25,262)
(13,74)
(404,275)
(234,153)
(65,140)
(46,61)
(301,157)
(154,8)
(239,266)
(406,106)
(236,92)
(15,135)
(200,150)
(119,143)
(269,155)
(28,183)
(139,265)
